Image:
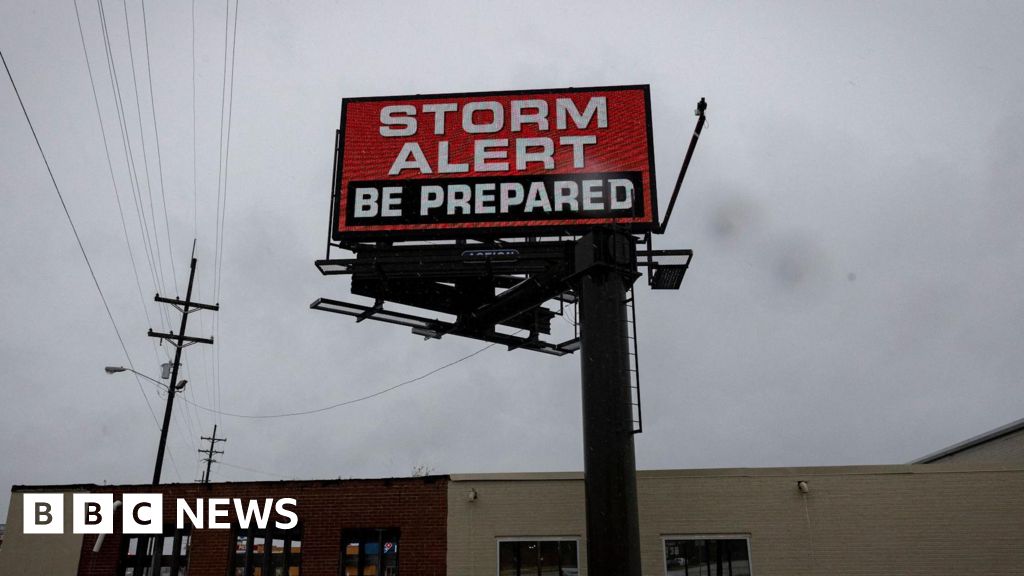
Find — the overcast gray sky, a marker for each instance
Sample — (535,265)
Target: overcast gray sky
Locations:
(854,205)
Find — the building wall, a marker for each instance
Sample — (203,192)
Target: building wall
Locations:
(38,554)
(541,505)
(1008,449)
(925,519)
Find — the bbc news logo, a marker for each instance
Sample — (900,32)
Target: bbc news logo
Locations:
(144,513)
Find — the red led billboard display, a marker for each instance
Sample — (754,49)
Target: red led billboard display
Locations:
(539,162)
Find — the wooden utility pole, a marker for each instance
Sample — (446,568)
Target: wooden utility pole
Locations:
(210,452)
(179,341)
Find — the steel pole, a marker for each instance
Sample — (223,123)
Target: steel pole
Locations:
(606,263)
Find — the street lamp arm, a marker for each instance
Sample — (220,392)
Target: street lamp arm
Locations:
(116,369)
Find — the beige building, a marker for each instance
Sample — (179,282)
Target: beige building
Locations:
(871,520)
(21,554)
(959,511)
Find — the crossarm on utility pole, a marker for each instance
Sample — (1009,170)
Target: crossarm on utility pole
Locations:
(180,338)
(194,305)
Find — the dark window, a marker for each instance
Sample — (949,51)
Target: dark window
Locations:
(538,558)
(369,552)
(267,552)
(707,557)
(170,559)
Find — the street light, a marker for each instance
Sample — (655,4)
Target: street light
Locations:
(115,369)
(167,420)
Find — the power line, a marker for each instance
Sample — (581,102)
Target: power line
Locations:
(220,159)
(227,171)
(142,137)
(193,415)
(156,134)
(195,175)
(222,171)
(222,463)
(133,179)
(227,147)
(348,402)
(110,167)
(78,239)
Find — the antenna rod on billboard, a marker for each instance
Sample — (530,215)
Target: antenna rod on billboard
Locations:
(701,107)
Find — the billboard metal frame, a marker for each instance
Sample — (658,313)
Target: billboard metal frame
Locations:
(485,280)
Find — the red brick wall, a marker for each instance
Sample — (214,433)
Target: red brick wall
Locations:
(416,506)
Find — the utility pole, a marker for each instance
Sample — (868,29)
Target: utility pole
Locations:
(179,341)
(210,452)
(606,264)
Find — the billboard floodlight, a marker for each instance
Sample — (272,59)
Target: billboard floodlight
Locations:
(668,277)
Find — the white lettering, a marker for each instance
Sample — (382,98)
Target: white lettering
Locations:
(365,203)
(540,117)
(497,117)
(443,164)
(577,143)
(626,202)
(281,509)
(388,119)
(596,105)
(246,514)
(566,194)
(439,110)
(510,194)
(484,195)
(592,190)
(458,197)
(183,509)
(403,162)
(482,153)
(537,198)
(392,199)
(523,156)
(218,509)
(430,197)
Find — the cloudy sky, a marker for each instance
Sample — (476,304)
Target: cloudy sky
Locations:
(854,206)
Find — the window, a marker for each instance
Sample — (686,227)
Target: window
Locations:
(267,552)
(538,557)
(137,558)
(707,556)
(369,552)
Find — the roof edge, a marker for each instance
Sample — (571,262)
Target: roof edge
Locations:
(983,438)
(431,478)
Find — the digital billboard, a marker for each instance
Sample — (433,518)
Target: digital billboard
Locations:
(520,163)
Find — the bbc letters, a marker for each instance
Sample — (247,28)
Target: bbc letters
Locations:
(93,513)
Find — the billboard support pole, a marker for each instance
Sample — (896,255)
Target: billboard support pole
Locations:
(606,267)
